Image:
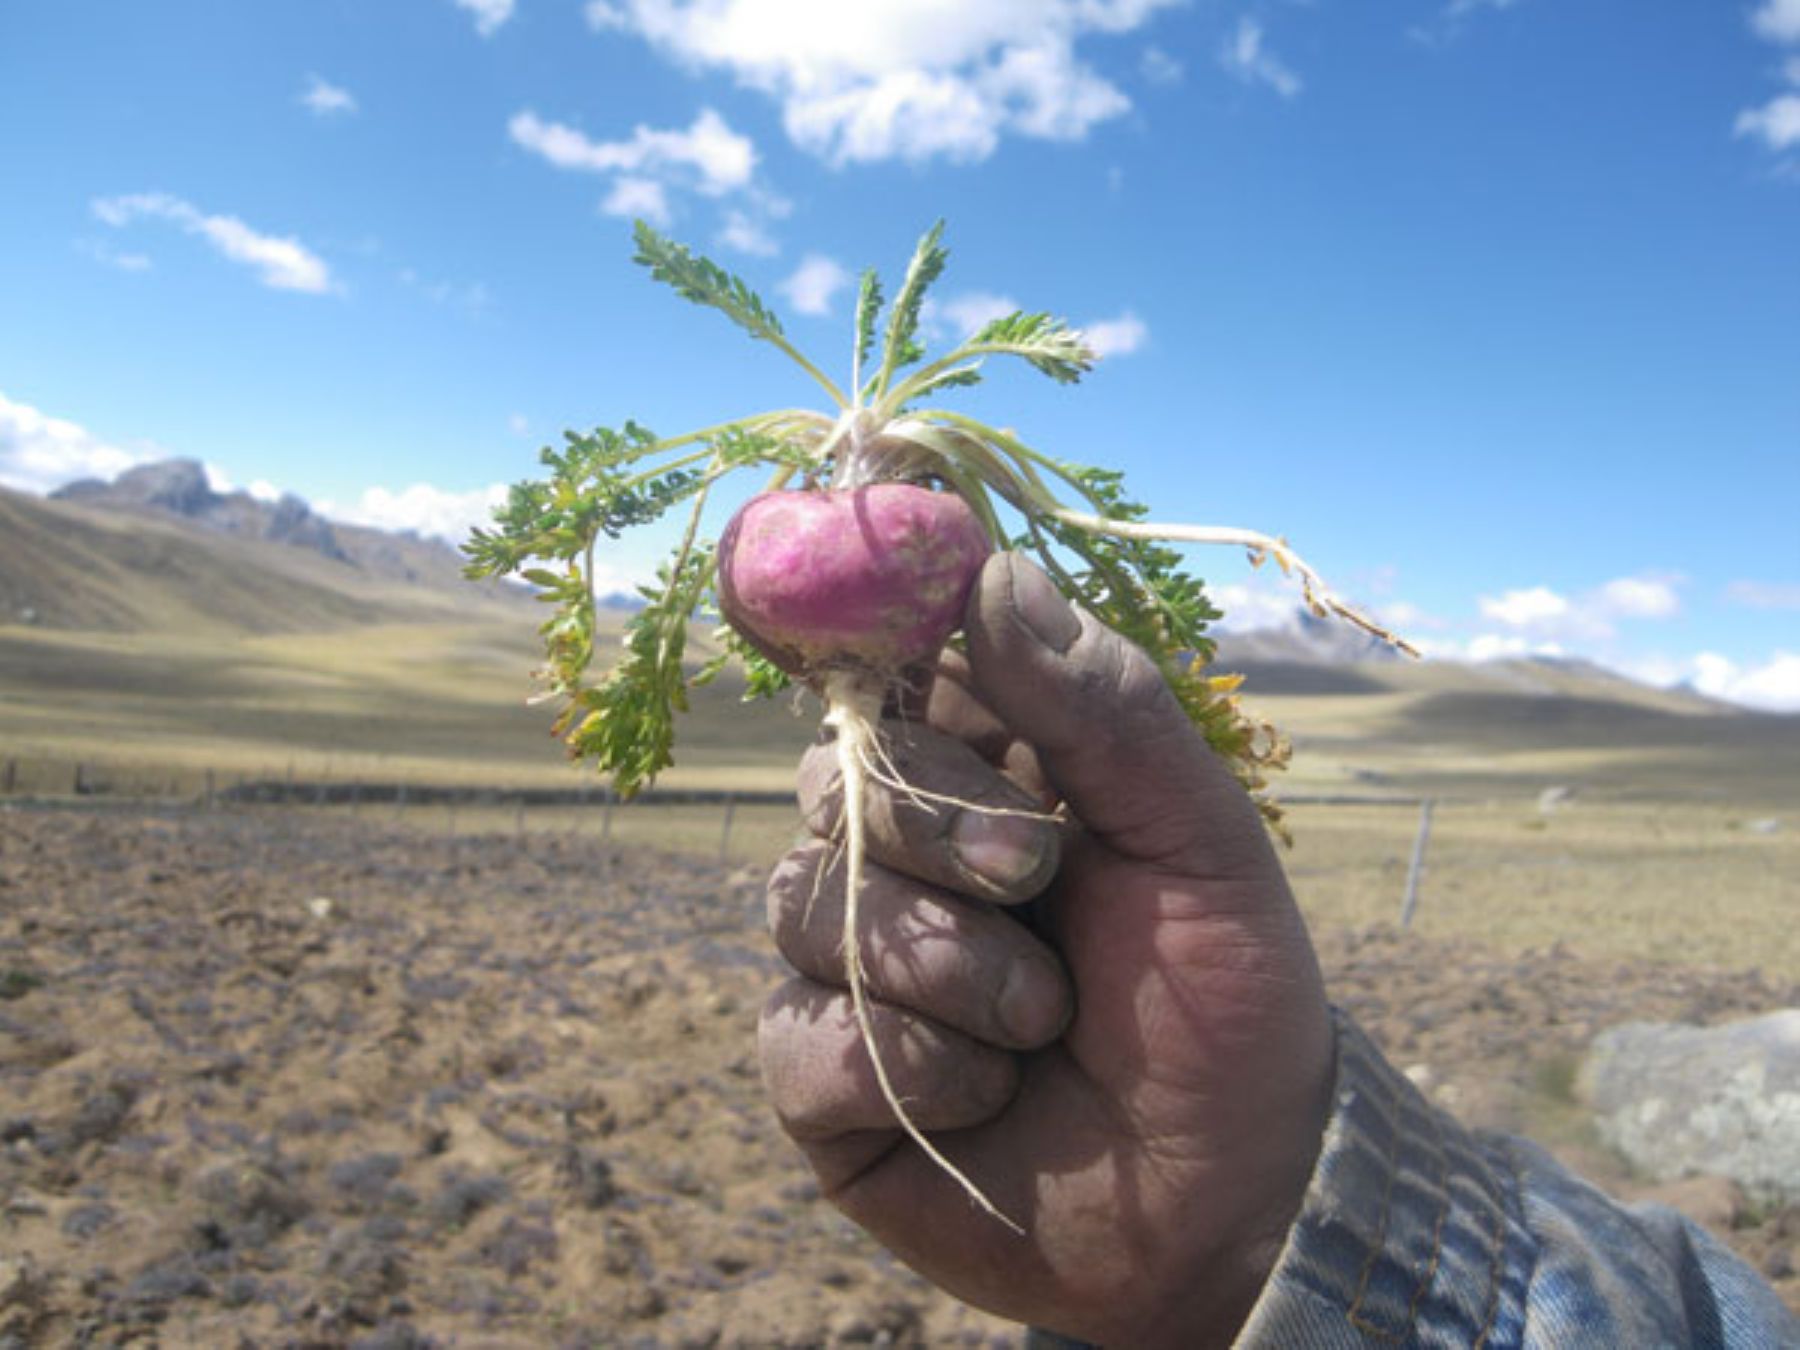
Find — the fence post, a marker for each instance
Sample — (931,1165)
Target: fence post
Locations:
(1411,902)
(725,830)
(12,777)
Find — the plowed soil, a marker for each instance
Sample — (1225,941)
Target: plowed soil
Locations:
(273,1078)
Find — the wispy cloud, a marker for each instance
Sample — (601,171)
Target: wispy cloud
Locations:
(423,508)
(39,452)
(632,196)
(651,164)
(470,297)
(1764,594)
(1246,56)
(812,285)
(893,79)
(966,313)
(1540,614)
(324,99)
(1158,67)
(1776,123)
(283,263)
(101,251)
(1117,337)
(744,233)
(1778,20)
(490,15)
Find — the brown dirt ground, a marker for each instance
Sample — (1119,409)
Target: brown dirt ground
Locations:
(275,1079)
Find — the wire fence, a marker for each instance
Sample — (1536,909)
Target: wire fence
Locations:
(732,824)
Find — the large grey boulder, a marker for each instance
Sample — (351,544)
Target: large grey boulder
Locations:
(1724,1101)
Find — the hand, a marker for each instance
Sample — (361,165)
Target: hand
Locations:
(1139,1076)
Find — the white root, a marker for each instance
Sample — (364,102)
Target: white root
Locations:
(1319,597)
(853,712)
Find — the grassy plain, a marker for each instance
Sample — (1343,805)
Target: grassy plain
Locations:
(1678,839)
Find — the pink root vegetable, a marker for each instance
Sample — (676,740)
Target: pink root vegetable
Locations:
(872,579)
(849,590)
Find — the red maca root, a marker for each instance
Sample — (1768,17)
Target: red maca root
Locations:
(873,579)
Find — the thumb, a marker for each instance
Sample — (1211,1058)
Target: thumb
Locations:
(1107,729)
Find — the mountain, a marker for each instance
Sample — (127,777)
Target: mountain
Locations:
(158,550)
(178,489)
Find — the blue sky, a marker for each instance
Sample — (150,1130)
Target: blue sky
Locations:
(1491,307)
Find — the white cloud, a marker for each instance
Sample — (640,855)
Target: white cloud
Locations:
(423,508)
(1776,123)
(1117,337)
(1639,598)
(101,251)
(1461,9)
(39,453)
(1158,67)
(885,79)
(1255,606)
(812,285)
(282,263)
(1773,686)
(1245,56)
(746,234)
(631,196)
(470,297)
(1526,608)
(324,99)
(1764,594)
(1541,614)
(710,153)
(489,14)
(969,312)
(1778,20)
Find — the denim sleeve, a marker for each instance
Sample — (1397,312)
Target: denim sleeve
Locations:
(1415,1231)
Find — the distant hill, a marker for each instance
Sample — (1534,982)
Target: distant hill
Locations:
(159,551)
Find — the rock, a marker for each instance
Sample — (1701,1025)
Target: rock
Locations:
(1553,799)
(1681,1101)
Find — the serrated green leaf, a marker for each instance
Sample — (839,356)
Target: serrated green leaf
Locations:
(704,282)
(900,347)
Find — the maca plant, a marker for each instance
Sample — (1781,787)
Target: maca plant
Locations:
(850,570)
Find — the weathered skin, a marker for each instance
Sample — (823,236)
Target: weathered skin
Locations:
(874,578)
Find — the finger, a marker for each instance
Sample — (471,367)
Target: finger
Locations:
(954,709)
(961,826)
(1108,729)
(963,964)
(823,1085)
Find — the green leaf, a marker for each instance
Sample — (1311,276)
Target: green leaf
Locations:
(1045,341)
(901,347)
(705,283)
(868,312)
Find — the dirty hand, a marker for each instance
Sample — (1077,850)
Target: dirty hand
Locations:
(1139,1076)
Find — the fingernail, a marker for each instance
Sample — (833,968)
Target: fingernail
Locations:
(1030,1005)
(1042,608)
(1005,850)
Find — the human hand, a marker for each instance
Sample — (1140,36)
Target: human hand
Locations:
(1141,1076)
